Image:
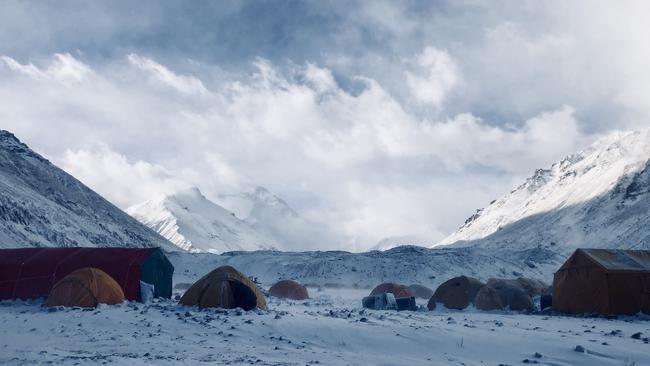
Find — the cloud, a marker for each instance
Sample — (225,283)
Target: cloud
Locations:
(120,180)
(63,68)
(436,76)
(375,120)
(361,165)
(158,72)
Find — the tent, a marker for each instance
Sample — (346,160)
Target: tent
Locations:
(533,287)
(421,292)
(29,273)
(456,293)
(382,301)
(224,287)
(603,281)
(512,294)
(86,287)
(488,298)
(530,286)
(393,288)
(289,289)
(545,302)
(406,303)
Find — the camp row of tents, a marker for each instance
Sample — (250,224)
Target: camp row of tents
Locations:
(591,281)
(86,277)
(597,281)
(225,287)
(459,293)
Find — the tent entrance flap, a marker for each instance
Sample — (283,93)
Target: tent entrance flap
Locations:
(157,270)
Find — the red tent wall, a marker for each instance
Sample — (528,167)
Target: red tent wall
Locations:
(29,273)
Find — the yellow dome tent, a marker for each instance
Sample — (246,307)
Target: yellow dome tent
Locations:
(224,287)
(86,287)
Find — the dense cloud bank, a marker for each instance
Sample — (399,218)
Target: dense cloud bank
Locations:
(374,120)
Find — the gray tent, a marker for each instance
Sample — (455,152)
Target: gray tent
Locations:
(383,301)
(512,294)
(421,291)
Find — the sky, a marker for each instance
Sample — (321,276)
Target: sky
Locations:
(373,120)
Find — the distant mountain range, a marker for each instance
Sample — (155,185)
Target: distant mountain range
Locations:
(253,220)
(599,197)
(43,206)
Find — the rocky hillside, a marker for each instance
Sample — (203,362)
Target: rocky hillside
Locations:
(599,197)
(41,205)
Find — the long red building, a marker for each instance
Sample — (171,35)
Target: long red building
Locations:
(29,273)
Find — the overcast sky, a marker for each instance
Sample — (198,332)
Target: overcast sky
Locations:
(373,119)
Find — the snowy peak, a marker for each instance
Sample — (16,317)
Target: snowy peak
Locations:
(266,201)
(193,222)
(606,175)
(11,144)
(271,215)
(257,205)
(41,205)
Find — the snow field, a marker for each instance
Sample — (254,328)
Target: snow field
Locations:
(329,329)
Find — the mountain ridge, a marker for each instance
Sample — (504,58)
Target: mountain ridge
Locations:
(598,197)
(43,206)
(194,223)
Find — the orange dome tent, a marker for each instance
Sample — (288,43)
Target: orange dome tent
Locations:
(86,287)
(224,287)
(393,288)
(289,289)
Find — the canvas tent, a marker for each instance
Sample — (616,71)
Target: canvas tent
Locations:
(529,286)
(383,301)
(456,293)
(512,293)
(388,301)
(406,303)
(393,288)
(488,298)
(224,287)
(533,287)
(29,273)
(289,289)
(603,281)
(86,287)
(421,291)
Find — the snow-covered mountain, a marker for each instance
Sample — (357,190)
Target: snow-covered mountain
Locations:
(41,205)
(193,222)
(599,197)
(257,206)
(272,216)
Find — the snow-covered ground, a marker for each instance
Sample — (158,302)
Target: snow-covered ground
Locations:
(329,329)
